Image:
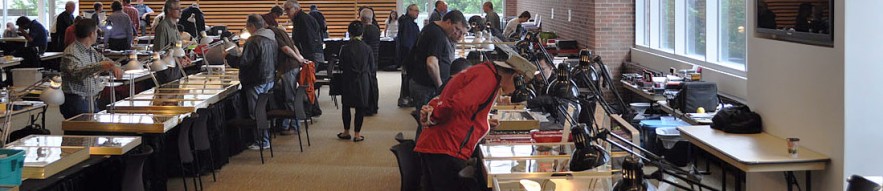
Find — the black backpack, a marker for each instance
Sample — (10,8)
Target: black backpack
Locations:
(32,129)
(694,95)
(737,119)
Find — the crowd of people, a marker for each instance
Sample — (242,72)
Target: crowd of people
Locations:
(450,96)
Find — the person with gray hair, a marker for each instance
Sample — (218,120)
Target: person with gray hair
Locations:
(10,31)
(320,18)
(441,8)
(62,21)
(371,36)
(306,34)
(167,29)
(257,66)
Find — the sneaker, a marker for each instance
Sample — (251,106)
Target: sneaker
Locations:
(256,147)
(405,103)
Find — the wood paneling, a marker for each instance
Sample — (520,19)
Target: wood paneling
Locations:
(233,13)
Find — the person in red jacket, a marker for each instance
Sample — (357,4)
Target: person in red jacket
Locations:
(457,119)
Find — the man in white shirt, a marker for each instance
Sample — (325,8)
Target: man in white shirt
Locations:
(512,25)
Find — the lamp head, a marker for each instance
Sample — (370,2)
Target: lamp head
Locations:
(522,92)
(52,94)
(633,176)
(178,51)
(157,64)
(587,154)
(563,87)
(133,64)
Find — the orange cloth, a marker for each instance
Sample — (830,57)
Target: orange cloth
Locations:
(307,78)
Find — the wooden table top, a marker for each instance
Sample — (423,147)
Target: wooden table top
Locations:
(760,152)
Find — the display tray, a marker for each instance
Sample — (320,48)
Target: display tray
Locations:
(159,106)
(43,162)
(581,183)
(122,122)
(98,145)
(514,120)
(515,168)
(527,151)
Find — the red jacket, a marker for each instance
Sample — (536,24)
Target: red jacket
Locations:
(453,109)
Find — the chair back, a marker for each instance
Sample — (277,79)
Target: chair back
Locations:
(200,130)
(409,165)
(184,151)
(260,111)
(300,97)
(860,183)
(132,178)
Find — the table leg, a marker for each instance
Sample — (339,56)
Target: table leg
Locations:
(723,177)
(808,180)
(788,176)
(739,180)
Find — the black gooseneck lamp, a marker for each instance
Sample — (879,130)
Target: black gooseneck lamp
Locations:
(522,92)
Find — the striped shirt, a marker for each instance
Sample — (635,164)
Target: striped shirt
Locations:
(79,66)
(133,16)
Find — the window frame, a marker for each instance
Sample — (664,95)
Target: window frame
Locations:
(712,59)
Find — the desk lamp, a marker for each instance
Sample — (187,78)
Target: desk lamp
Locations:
(51,95)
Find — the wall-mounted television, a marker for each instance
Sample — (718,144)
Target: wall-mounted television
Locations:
(803,21)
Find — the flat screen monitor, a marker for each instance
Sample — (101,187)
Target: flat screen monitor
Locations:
(803,21)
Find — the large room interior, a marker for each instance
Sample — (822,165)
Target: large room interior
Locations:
(533,95)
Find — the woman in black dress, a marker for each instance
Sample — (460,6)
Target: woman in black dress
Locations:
(356,58)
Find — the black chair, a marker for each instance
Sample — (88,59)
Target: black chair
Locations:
(300,112)
(401,138)
(325,78)
(860,183)
(201,141)
(409,165)
(261,122)
(277,114)
(185,153)
(133,179)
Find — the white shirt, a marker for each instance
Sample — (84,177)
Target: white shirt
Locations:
(511,27)
(392,28)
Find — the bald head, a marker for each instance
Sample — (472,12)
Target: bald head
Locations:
(70,6)
(366,16)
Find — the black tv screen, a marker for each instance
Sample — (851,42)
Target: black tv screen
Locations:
(804,21)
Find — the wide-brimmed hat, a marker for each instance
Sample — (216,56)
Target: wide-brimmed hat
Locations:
(519,64)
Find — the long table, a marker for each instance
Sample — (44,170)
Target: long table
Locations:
(754,152)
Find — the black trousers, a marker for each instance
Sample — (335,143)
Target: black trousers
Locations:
(360,116)
(119,44)
(442,173)
(75,105)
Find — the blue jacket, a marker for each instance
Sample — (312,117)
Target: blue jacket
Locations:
(39,34)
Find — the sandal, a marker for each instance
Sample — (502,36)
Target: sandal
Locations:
(343,136)
(359,139)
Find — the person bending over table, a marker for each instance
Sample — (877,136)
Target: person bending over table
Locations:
(34,32)
(355,61)
(80,65)
(457,119)
(256,63)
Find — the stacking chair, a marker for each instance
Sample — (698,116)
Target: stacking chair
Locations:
(133,179)
(185,153)
(261,122)
(300,112)
(283,113)
(201,141)
(409,165)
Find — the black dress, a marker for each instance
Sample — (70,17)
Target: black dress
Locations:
(355,61)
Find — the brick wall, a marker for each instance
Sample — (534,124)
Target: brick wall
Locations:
(604,26)
(511,8)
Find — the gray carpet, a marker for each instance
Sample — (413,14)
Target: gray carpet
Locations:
(330,163)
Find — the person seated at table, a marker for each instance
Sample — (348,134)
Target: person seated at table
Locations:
(257,65)
(10,31)
(69,34)
(80,63)
(457,119)
(35,33)
(121,30)
(513,27)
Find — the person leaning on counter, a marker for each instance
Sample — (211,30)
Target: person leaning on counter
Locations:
(457,119)
(80,64)
(257,67)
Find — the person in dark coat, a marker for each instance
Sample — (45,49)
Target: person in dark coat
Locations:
(355,62)
(193,26)
(306,34)
(320,18)
(371,36)
(65,19)
(405,40)
(257,67)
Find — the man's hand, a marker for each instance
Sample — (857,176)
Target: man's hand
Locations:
(494,123)
(112,67)
(424,116)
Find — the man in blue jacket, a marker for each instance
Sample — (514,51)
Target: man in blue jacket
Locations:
(405,40)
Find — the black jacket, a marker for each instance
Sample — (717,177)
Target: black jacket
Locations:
(64,20)
(257,64)
(306,35)
(355,61)
(320,19)
(189,27)
(372,38)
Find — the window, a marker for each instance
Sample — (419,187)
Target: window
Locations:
(732,31)
(44,11)
(667,28)
(710,33)
(696,28)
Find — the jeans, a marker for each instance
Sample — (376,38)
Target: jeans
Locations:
(421,95)
(75,105)
(285,92)
(251,98)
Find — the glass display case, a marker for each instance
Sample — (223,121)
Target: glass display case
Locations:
(98,145)
(43,162)
(122,122)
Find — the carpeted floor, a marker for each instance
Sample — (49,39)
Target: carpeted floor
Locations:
(330,163)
